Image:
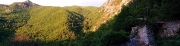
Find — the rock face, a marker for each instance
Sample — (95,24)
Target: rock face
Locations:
(170,29)
(25,4)
(22,5)
(110,9)
(140,36)
(113,7)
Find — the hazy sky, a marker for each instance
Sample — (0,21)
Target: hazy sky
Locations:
(60,2)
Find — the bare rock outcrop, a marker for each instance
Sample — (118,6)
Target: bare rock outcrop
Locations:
(25,4)
(110,9)
(140,36)
(170,29)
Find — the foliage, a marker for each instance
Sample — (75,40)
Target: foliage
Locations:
(141,12)
(170,41)
(9,22)
(49,25)
(53,26)
(90,8)
(78,9)
(91,19)
(104,36)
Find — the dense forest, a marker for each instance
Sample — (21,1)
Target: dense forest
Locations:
(30,24)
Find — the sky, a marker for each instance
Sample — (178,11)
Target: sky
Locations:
(60,2)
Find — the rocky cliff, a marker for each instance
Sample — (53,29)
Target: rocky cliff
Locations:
(112,7)
(25,4)
(170,29)
(109,9)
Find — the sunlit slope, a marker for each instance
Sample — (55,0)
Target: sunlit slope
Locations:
(50,24)
(83,10)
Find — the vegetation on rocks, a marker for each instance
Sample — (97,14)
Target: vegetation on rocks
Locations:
(69,26)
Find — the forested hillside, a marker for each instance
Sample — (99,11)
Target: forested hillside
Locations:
(81,10)
(29,24)
(10,21)
(26,23)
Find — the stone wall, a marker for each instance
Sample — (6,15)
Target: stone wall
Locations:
(170,29)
